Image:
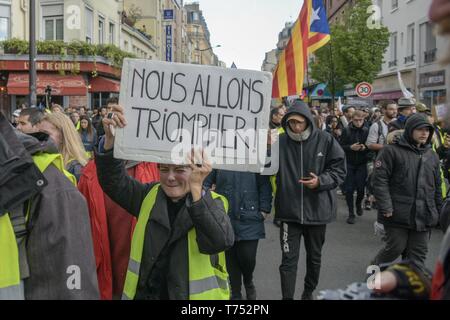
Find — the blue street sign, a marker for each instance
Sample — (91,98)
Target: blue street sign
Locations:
(168,14)
(169,43)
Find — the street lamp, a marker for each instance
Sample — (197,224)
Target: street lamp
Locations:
(201,50)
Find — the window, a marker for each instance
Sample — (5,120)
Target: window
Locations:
(101,30)
(89,25)
(393,61)
(411,40)
(394,4)
(427,43)
(99,99)
(194,16)
(112,34)
(53,22)
(430,37)
(5,19)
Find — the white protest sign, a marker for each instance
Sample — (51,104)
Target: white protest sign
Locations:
(171,107)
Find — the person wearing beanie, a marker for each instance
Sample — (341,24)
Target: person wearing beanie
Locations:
(407,188)
(311,166)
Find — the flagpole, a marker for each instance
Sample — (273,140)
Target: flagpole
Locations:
(332,78)
(307,81)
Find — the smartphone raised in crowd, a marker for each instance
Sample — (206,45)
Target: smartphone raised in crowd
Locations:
(110,115)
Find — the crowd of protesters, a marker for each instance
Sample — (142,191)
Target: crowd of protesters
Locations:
(394,156)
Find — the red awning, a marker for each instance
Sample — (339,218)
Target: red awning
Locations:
(67,85)
(392,95)
(102,84)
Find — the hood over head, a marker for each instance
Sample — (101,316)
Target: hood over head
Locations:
(417,121)
(299,108)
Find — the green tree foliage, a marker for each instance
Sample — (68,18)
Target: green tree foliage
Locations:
(355,51)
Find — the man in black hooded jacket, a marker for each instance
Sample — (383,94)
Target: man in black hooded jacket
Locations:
(407,188)
(312,166)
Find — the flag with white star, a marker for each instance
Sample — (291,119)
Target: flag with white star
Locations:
(310,32)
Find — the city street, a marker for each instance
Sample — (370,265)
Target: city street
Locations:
(347,251)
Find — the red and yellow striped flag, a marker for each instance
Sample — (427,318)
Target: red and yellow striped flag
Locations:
(309,33)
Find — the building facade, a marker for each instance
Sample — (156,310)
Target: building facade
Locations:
(197,30)
(414,50)
(75,80)
(336,9)
(272,56)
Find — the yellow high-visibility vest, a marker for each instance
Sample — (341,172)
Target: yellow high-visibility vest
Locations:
(10,284)
(205,281)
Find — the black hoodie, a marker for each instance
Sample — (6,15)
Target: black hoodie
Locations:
(320,154)
(406,181)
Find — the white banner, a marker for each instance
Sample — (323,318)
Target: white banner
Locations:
(172,107)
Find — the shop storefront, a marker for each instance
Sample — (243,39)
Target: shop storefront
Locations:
(432,88)
(85,82)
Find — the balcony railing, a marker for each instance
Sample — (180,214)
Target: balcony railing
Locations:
(410,58)
(392,63)
(430,56)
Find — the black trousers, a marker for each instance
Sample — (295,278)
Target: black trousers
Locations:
(241,261)
(411,244)
(355,180)
(290,236)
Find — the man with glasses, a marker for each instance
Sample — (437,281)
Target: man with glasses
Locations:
(312,165)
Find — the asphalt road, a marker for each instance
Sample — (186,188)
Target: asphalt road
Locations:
(347,252)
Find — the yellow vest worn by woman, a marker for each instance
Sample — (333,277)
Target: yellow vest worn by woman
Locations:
(205,281)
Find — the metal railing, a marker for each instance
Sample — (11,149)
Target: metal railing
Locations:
(430,55)
(392,63)
(410,58)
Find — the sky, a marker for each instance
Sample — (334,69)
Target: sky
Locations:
(247,29)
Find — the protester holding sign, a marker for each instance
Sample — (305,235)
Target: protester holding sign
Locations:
(182,230)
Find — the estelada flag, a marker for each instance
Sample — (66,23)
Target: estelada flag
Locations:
(310,32)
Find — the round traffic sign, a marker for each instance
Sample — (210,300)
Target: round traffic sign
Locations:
(364,89)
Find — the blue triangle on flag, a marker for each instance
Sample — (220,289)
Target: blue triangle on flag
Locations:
(233,66)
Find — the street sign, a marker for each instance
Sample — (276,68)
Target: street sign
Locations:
(169,43)
(168,14)
(364,90)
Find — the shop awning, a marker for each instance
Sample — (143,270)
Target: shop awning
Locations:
(392,95)
(102,84)
(61,85)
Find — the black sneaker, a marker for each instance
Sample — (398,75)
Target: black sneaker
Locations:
(307,295)
(351,220)
(367,205)
(250,291)
(359,211)
(236,296)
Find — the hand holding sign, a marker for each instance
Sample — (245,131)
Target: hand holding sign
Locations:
(201,168)
(115,119)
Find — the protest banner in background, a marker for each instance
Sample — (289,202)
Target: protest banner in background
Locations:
(171,107)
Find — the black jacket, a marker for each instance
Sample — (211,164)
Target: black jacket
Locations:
(320,154)
(248,195)
(207,216)
(352,135)
(406,181)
